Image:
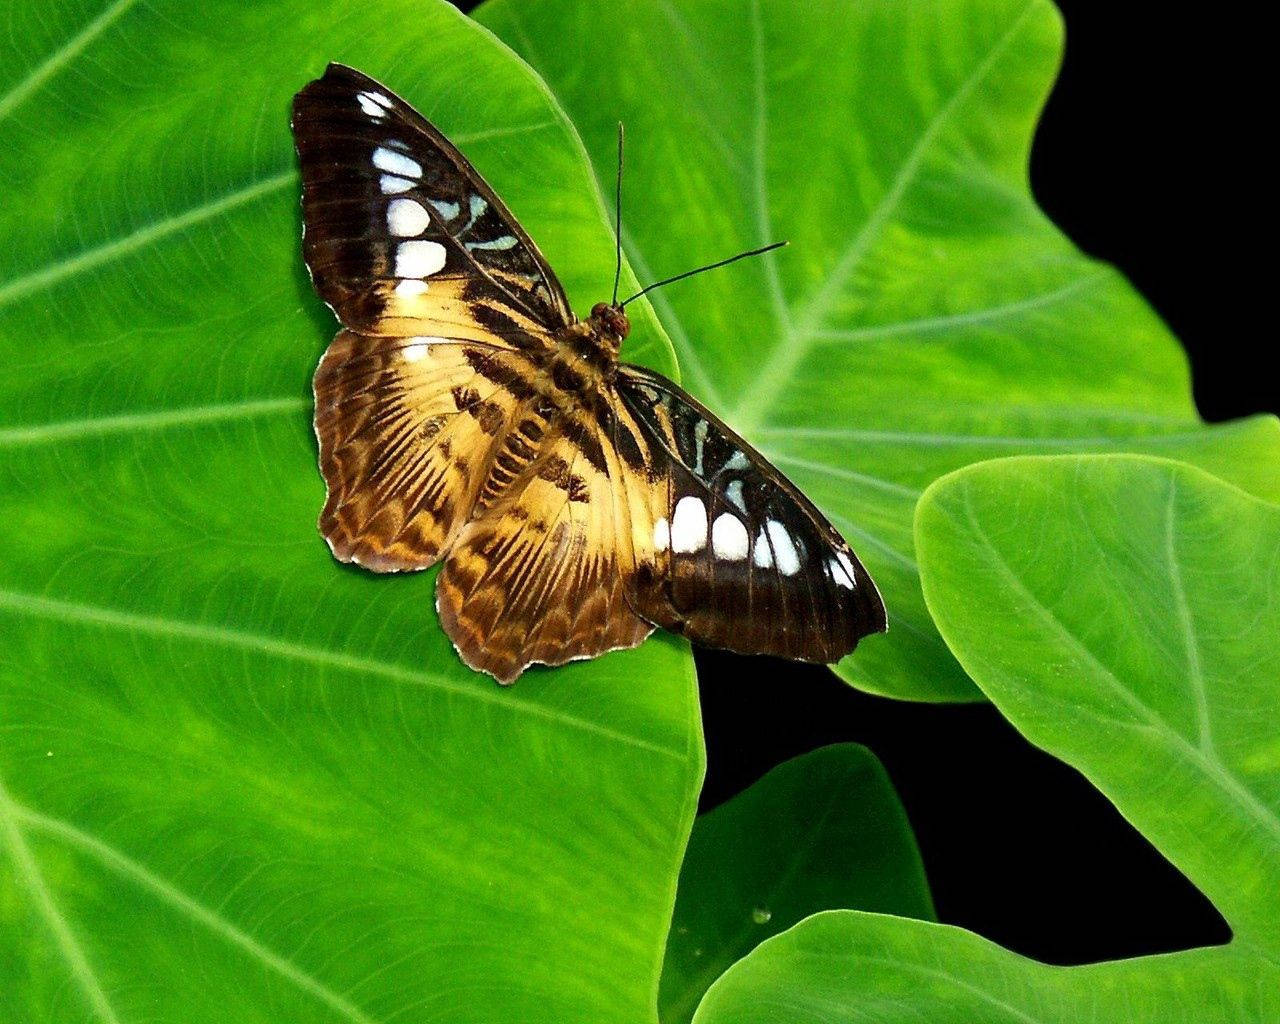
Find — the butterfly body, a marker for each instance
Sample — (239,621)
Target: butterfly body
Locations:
(465,415)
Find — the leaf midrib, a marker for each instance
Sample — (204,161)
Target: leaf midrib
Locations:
(797,336)
(1207,762)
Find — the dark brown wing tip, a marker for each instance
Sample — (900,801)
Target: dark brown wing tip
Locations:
(334,74)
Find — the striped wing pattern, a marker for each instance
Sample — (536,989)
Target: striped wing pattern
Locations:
(465,416)
(543,576)
(409,430)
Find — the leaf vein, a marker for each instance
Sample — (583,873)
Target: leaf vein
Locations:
(62,56)
(28,871)
(1209,765)
(1195,668)
(131,869)
(288,650)
(158,419)
(965,319)
(796,341)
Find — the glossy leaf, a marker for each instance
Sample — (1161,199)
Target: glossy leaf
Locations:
(853,968)
(239,781)
(1124,613)
(822,831)
(926,314)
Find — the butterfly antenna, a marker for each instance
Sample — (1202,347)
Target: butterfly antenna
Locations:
(617,221)
(709,266)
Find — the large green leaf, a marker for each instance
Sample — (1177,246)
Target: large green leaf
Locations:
(927,314)
(1124,613)
(821,831)
(240,782)
(846,967)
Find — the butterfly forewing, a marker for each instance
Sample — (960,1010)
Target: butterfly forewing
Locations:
(743,560)
(402,236)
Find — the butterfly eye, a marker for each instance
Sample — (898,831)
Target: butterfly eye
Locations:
(611,319)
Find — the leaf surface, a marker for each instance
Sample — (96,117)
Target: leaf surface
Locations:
(822,831)
(926,314)
(240,782)
(1124,613)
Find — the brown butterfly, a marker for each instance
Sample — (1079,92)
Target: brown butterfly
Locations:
(465,414)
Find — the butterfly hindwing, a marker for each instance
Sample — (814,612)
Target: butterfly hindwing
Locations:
(409,430)
(742,559)
(541,575)
(402,236)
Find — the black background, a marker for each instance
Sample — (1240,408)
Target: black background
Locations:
(1149,156)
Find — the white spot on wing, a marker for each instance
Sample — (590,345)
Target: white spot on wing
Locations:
(761,553)
(419,258)
(729,538)
(370,106)
(410,288)
(784,548)
(381,100)
(689,526)
(842,571)
(737,461)
(477,206)
(406,218)
(662,534)
(504,242)
(734,493)
(397,163)
(699,440)
(446,209)
(392,185)
(417,349)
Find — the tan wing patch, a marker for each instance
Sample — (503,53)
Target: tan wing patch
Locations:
(454,307)
(408,431)
(541,575)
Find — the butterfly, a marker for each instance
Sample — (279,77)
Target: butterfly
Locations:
(465,415)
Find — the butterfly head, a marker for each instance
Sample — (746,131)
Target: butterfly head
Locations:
(610,321)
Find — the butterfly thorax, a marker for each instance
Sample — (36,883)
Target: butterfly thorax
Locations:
(588,350)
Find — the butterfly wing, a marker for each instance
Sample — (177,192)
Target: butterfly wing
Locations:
(449,309)
(541,575)
(738,557)
(570,526)
(409,432)
(401,234)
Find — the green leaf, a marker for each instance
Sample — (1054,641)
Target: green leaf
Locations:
(821,831)
(852,968)
(927,314)
(241,782)
(1124,613)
